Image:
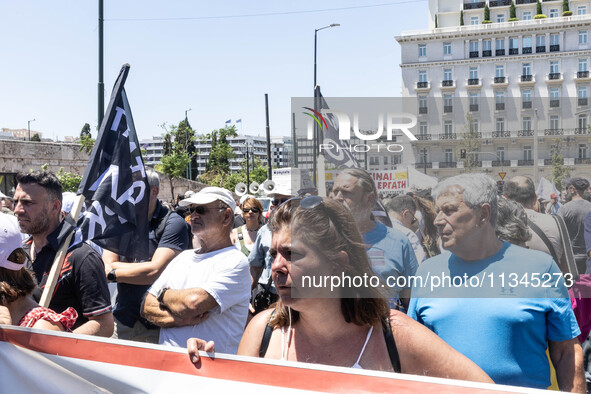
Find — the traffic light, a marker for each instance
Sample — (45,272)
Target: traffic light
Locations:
(462,153)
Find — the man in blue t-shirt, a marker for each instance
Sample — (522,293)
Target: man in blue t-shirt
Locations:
(499,304)
(389,250)
(169,236)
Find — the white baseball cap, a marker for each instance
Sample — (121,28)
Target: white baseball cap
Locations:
(210,194)
(10,239)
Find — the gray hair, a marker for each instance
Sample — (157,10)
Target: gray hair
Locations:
(512,222)
(153,178)
(476,189)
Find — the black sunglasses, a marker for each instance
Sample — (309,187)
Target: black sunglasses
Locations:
(200,209)
(253,210)
(279,201)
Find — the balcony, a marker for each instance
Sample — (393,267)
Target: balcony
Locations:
(582,101)
(525,162)
(422,85)
(474,82)
(580,160)
(554,103)
(548,162)
(525,133)
(474,6)
(474,54)
(581,131)
(554,48)
(423,110)
(526,104)
(487,53)
(525,2)
(423,165)
(499,52)
(448,136)
(513,51)
(501,134)
(583,76)
(554,77)
(448,109)
(526,50)
(525,78)
(553,132)
(499,3)
(500,106)
(501,163)
(473,107)
(447,164)
(424,137)
(447,82)
(499,79)
(540,49)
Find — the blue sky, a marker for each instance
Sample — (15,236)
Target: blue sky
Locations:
(202,55)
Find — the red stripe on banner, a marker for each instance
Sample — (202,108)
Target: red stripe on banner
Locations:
(220,368)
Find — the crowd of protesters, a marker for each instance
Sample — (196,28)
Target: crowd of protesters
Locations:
(223,276)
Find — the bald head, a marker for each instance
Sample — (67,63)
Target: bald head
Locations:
(522,190)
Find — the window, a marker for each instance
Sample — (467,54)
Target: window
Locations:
(449,155)
(582,92)
(554,67)
(553,12)
(423,76)
(422,101)
(473,98)
(473,46)
(422,50)
(448,128)
(501,153)
(424,156)
(582,151)
(423,129)
(447,74)
(500,125)
(582,64)
(513,45)
(486,45)
(473,73)
(500,97)
(474,20)
(554,39)
(526,95)
(526,15)
(583,37)
(447,48)
(526,41)
(474,126)
(582,10)
(447,103)
(554,122)
(499,43)
(582,122)
(526,69)
(500,18)
(527,153)
(554,94)
(499,71)
(526,123)
(540,41)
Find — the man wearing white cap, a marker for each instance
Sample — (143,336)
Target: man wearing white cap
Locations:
(204,293)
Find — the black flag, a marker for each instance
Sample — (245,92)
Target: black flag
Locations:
(114,184)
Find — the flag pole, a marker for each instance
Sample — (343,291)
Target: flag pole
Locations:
(58,262)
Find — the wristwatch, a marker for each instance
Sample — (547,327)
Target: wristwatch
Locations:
(111,276)
(160,296)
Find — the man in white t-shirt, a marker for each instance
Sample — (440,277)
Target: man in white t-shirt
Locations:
(205,292)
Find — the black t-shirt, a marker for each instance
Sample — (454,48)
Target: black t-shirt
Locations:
(81,284)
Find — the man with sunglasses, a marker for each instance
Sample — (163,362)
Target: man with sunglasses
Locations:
(402,211)
(260,260)
(204,292)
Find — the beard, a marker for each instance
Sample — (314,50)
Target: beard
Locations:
(36,226)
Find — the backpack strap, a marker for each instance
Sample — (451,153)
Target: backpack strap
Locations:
(266,338)
(544,239)
(391,345)
(161,226)
(567,246)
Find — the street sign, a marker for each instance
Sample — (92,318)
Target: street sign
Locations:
(502,175)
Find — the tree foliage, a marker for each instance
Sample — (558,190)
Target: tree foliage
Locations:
(472,142)
(35,137)
(178,140)
(86,140)
(486,13)
(512,11)
(539,8)
(461,17)
(229,181)
(559,171)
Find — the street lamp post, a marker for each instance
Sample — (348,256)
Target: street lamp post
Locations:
(29,127)
(189,169)
(315,145)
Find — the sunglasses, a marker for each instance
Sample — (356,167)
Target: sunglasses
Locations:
(253,210)
(279,201)
(200,209)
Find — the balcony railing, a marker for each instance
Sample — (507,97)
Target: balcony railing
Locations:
(501,134)
(422,110)
(501,163)
(526,104)
(580,160)
(473,107)
(476,135)
(473,6)
(525,162)
(540,49)
(554,48)
(513,51)
(423,137)
(554,103)
(525,1)
(447,82)
(582,131)
(499,3)
(473,81)
(486,53)
(582,74)
(499,79)
(554,76)
(423,165)
(500,106)
(448,136)
(422,85)
(499,52)
(526,50)
(474,53)
(553,132)
(448,109)
(526,78)
(447,164)
(525,133)
(548,162)
(582,101)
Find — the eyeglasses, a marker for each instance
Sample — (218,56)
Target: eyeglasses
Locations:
(200,209)
(414,220)
(279,201)
(253,210)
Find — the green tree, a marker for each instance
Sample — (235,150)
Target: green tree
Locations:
(486,14)
(218,162)
(565,9)
(35,137)
(176,158)
(539,8)
(229,181)
(436,22)
(86,140)
(512,12)
(70,182)
(185,131)
(461,17)
(559,171)
(471,141)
